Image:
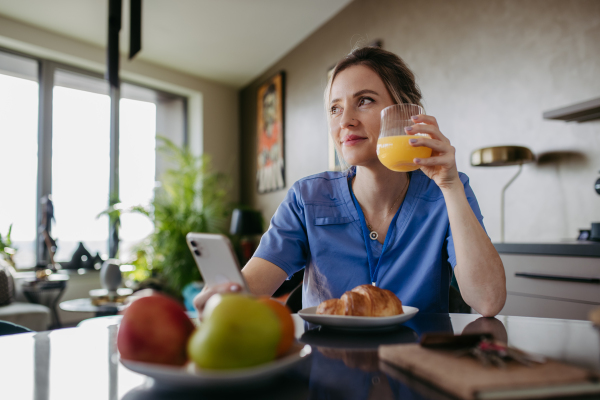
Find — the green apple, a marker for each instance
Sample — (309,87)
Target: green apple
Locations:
(239,332)
(212,302)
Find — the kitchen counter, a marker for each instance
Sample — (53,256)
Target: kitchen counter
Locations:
(83,362)
(551,280)
(567,249)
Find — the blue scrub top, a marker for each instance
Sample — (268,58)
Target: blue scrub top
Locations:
(318,227)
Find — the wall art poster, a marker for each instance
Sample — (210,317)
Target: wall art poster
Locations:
(270,173)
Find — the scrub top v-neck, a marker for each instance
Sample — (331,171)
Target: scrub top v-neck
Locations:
(373,247)
(317,227)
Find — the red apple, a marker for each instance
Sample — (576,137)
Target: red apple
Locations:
(155,329)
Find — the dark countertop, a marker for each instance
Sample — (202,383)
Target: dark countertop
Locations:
(567,249)
(83,362)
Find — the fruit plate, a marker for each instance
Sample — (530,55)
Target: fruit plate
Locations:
(191,376)
(357,323)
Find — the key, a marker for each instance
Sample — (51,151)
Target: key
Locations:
(481,357)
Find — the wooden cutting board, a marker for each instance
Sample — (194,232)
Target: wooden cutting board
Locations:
(466,378)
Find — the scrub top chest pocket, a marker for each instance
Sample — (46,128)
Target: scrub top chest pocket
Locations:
(337,249)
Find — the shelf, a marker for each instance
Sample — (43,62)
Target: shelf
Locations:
(580,112)
(567,249)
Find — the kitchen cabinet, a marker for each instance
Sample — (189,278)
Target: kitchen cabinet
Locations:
(554,286)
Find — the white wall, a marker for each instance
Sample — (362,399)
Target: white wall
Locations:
(213,107)
(487,70)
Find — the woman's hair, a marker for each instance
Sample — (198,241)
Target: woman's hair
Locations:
(395,74)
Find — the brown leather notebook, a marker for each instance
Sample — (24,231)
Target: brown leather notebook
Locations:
(466,378)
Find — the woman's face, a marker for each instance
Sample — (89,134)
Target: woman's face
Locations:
(357,97)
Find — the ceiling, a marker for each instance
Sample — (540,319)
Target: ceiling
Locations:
(228,41)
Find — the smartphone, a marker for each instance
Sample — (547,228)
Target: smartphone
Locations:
(215,259)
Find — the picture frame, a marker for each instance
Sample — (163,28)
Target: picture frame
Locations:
(270,151)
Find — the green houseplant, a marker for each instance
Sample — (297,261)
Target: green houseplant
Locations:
(191,198)
(7,250)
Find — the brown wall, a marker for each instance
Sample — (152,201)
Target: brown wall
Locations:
(487,69)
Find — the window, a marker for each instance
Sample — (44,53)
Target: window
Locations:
(18,159)
(137,163)
(80,163)
(75,165)
(144,114)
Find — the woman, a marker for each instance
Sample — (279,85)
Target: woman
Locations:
(427,222)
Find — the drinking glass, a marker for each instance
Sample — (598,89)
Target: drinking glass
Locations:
(393,148)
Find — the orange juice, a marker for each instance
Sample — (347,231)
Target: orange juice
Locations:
(397,154)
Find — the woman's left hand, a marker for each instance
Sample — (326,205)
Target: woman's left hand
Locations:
(441,166)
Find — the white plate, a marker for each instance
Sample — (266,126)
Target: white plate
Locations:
(357,323)
(191,376)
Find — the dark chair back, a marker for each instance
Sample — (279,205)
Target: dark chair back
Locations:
(8,328)
(294,300)
(456,304)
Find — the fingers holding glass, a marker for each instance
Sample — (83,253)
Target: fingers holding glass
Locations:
(442,153)
(445,160)
(425,119)
(437,146)
(393,148)
(424,129)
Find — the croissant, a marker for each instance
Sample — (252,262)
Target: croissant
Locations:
(364,301)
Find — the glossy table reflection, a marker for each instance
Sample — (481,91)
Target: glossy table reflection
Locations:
(82,363)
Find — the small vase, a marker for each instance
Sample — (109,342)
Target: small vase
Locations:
(110,275)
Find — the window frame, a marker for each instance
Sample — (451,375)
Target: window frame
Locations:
(46,71)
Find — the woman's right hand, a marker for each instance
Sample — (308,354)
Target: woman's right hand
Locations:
(208,291)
